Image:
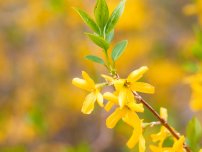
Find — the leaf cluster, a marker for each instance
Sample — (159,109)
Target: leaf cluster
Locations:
(103,26)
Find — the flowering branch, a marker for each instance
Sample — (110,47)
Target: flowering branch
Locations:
(125,98)
(163,121)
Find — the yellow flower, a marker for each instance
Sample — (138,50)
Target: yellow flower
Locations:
(160,149)
(131,103)
(196,86)
(127,105)
(162,135)
(128,115)
(89,85)
(132,119)
(178,145)
(124,87)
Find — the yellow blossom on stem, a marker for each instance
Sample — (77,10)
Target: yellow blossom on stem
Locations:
(124,87)
(130,104)
(89,85)
(178,145)
(132,119)
(129,116)
(161,136)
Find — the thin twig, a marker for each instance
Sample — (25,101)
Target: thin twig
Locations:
(163,121)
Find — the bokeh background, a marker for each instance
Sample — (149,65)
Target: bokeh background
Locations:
(42,47)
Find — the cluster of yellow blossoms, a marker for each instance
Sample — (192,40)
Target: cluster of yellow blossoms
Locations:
(125,106)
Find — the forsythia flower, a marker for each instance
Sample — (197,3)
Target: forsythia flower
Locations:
(124,87)
(128,115)
(177,147)
(89,85)
(162,135)
(196,86)
(127,106)
(132,119)
(113,100)
(124,98)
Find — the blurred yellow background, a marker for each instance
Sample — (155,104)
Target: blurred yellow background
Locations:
(42,47)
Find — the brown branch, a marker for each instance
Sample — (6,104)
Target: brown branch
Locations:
(163,121)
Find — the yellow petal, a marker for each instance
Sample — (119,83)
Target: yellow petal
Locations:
(163,113)
(160,149)
(142,87)
(178,145)
(99,99)
(107,78)
(142,146)
(109,105)
(115,117)
(130,101)
(133,140)
(130,96)
(110,97)
(80,83)
(131,118)
(137,74)
(88,104)
(160,136)
(155,148)
(136,107)
(122,97)
(112,100)
(88,79)
(136,133)
(118,84)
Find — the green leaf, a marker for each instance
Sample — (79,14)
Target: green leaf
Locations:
(194,134)
(118,49)
(110,36)
(88,20)
(95,59)
(101,12)
(115,16)
(98,41)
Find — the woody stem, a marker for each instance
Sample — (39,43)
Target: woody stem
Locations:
(163,121)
